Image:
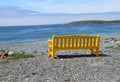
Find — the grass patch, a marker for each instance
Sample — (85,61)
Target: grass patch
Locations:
(17,56)
(20,56)
(4,62)
(112,47)
(118,45)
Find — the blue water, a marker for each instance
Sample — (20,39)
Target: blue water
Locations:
(11,34)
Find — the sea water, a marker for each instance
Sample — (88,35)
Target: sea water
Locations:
(11,34)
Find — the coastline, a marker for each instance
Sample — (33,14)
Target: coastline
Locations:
(96,22)
(70,66)
(41,45)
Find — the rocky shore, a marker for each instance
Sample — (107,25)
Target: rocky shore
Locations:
(69,66)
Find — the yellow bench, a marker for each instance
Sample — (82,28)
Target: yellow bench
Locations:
(69,42)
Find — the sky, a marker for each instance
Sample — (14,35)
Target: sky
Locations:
(19,11)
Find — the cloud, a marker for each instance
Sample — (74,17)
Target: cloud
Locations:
(28,7)
(13,12)
(53,19)
(75,6)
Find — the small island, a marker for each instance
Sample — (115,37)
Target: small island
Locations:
(96,22)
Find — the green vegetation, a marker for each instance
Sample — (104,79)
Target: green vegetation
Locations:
(95,22)
(117,46)
(110,47)
(20,56)
(1,50)
(17,56)
(4,62)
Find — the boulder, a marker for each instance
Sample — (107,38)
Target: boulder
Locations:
(10,53)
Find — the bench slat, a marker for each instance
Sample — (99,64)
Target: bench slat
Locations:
(65,42)
(76,41)
(68,42)
(72,43)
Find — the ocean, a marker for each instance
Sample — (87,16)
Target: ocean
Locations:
(12,34)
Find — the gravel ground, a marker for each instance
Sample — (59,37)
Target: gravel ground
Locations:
(70,66)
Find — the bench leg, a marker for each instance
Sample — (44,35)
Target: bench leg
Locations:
(53,54)
(49,51)
(97,52)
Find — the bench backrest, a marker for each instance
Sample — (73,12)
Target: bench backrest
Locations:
(75,42)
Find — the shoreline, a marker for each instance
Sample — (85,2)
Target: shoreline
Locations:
(41,45)
(101,35)
(22,42)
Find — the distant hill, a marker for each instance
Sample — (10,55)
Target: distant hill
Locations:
(95,22)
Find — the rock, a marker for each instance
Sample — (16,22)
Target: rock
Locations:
(3,56)
(6,54)
(10,53)
(1,53)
